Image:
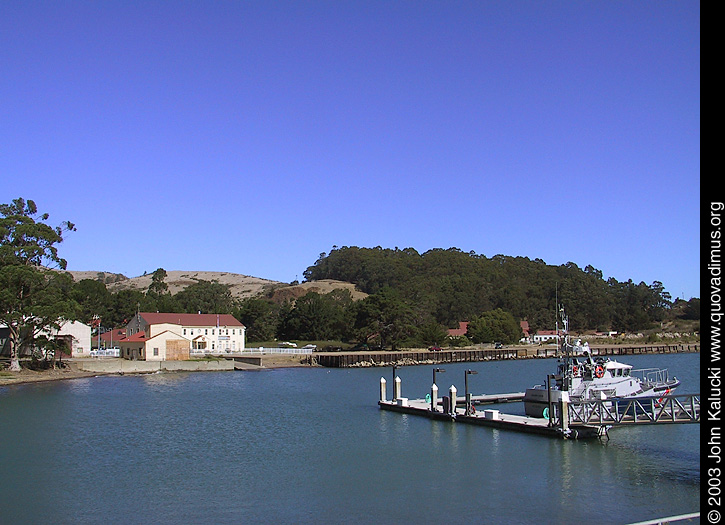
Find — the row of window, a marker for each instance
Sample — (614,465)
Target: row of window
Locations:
(222,331)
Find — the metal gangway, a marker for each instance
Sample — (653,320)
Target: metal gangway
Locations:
(669,409)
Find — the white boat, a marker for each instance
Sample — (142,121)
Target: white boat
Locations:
(587,379)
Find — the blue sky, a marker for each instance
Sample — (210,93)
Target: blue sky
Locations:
(249,136)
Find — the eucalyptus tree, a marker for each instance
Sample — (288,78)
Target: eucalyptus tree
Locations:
(33,297)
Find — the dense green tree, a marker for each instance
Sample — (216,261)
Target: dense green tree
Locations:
(384,316)
(205,297)
(259,317)
(158,284)
(431,334)
(126,303)
(318,317)
(94,299)
(32,297)
(495,325)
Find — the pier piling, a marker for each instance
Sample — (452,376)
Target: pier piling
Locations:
(433,397)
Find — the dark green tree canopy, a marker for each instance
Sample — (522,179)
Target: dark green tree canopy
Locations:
(25,238)
(450,285)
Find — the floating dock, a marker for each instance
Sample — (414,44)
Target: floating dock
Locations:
(575,420)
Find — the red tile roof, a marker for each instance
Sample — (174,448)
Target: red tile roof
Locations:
(113,335)
(461,330)
(135,338)
(524,327)
(191,319)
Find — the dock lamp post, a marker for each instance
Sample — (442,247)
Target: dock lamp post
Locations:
(469,405)
(395,367)
(434,391)
(434,374)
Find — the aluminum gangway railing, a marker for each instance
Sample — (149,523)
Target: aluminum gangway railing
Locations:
(683,408)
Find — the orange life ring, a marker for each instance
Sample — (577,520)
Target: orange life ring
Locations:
(599,371)
(659,401)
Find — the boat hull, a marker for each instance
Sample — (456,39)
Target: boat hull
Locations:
(536,400)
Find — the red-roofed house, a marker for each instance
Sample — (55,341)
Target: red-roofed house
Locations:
(526,331)
(173,337)
(110,338)
(461,330)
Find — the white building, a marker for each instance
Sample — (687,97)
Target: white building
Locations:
(544,336)
(167,336)
(77,335)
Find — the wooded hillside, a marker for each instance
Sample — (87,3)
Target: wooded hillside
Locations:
(453,286)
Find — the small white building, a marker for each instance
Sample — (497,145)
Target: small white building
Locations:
(77,335)
(544,336)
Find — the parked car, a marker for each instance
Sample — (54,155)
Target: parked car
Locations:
(498,345)
(434,349)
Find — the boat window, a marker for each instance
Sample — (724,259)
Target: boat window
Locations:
(626,372)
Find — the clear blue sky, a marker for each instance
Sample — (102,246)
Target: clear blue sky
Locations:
(249,137)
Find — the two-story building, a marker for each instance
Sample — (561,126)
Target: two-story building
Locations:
(175,337)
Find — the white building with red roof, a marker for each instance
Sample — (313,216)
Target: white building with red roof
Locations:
(175,337)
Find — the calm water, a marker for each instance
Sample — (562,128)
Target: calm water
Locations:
(311,446)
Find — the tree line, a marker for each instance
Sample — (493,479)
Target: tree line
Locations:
(449,285)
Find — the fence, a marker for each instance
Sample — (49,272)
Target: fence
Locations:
(255,351)
(106,352)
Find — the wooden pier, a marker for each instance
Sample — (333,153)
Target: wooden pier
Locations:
(463,355)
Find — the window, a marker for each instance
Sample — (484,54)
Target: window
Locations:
(184,331)
(156,351)
(206,331)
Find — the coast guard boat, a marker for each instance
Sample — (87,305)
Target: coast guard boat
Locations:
(587,379)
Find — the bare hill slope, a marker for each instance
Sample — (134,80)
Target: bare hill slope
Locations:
(241,286)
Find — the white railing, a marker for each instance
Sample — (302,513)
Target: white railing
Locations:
(106,352)
(253,351)
(278,350)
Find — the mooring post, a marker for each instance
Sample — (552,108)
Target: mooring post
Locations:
(564,411)
(452,394)
(550,410)
(383,395)
(397,389)
(433,397)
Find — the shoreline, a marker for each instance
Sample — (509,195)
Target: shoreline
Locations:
(74,369)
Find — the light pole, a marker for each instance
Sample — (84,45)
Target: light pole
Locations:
(395,367)
(434,374)
(434,390)
(469,405)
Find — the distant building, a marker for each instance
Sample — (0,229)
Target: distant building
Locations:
(526,331)
(543,336)
(77,336)
(110,338)
(177,337)
(460,331)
